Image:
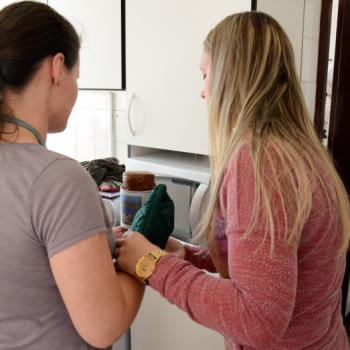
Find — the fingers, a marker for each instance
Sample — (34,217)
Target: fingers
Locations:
(118,245)
(119,242)
(119,231)
(127,234)
(130,248)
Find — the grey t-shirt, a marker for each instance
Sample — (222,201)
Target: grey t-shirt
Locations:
(48,202)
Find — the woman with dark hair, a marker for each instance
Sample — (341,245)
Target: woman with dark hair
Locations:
(59,289)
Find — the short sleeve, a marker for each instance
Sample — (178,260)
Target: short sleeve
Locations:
(64,206)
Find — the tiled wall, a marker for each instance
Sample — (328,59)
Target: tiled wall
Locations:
(332,43)
(311,32)
(89,133)
(121,126)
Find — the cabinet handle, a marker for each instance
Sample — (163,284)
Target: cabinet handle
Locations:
(129,115)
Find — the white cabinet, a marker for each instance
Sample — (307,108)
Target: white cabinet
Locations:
(290,15)
(99,24)
(4,3)
(160,325)
(163,48)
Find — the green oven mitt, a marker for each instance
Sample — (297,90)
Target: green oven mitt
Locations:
(155,219)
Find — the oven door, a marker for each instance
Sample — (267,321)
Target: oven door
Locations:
(187,196)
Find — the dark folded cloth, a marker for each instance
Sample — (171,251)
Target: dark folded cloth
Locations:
(155,219)
(107,169)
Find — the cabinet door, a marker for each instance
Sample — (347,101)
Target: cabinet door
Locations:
(290,15)
(99,24)
(161,325)
(163,48)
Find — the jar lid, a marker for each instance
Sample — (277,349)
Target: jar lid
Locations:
(138,181)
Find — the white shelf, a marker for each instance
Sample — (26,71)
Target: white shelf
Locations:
(186,166)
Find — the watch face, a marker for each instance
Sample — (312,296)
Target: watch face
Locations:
(145,266)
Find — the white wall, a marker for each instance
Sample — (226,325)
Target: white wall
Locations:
(89,133)
(308,78)
(331,57)
(121,128)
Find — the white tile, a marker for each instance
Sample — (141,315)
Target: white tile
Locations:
(102,123)
(103,148)
(85,149)
(121,101)
(103,100)
(63,144)
(72,122)
(121,151)
(85,122)
(334,23)
(103,132)
(65,141)
(89,133)
(290,15)
(309,90)
(312,18)
(85,99)
(309,60)
(85,134)
(121,130)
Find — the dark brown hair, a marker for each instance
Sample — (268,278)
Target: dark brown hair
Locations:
(30,32)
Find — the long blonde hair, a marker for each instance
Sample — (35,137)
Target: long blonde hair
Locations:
(255,91)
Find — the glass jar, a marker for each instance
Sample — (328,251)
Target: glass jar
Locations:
(136,189)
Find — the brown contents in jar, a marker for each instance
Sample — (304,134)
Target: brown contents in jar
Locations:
(138,181)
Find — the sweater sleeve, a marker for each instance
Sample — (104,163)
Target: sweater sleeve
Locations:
(199,257)
(255,305)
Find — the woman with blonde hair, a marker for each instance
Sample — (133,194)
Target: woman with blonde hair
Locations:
(277,221)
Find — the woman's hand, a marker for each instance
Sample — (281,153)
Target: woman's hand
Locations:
(130,249)
(175,247)
(118,231)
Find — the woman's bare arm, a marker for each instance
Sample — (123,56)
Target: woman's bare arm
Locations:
(101,302)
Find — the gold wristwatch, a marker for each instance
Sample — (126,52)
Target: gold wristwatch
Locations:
(146,264)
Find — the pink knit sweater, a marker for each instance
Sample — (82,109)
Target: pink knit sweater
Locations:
(289,301)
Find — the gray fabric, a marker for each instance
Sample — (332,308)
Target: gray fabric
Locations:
(48,203)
